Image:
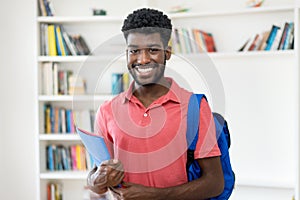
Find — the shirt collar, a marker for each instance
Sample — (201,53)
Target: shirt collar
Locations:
(173,93)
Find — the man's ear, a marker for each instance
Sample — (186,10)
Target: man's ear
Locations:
(168,52)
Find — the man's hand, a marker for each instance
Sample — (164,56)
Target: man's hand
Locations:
(130,191)
(109,174)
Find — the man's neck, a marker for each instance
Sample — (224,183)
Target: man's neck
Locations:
(149,93)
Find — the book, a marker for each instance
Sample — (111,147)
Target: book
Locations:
(95,145)
(283,35)
(59,41)
(177,42)
(69,43)
(263,42)
(209,40)
(202,41)
(77,85)
(43,11)
(290,31)
(47,78)
(246,47)
(85,47)
(51,40)
(276,40)
(257,42)
(55,78)
(291,38)
(271,37)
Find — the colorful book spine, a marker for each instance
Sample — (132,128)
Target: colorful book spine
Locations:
(52,40)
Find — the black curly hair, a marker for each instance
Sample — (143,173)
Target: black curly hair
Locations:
(148,21)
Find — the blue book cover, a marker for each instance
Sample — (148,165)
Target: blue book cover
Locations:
(271,37)
(95,145)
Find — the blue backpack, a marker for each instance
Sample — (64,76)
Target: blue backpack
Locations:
(223,138)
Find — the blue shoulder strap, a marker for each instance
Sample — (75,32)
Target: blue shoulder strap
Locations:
(193,120)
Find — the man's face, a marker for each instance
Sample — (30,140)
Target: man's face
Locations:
(146,57)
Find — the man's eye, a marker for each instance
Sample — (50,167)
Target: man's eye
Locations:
(154,50)
(134,51)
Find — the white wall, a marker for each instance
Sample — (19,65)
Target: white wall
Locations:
(17,109)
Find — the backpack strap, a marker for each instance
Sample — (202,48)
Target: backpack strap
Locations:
(193,116)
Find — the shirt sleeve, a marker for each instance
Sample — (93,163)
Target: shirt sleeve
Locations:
(207,145)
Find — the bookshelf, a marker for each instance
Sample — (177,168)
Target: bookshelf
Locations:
(275,73)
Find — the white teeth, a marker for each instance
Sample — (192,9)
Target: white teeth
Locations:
(144,70)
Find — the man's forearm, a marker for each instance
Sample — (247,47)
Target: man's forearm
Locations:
(198,189)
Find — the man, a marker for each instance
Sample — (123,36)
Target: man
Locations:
(145,126)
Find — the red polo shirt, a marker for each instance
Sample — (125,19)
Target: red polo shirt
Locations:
(151,142)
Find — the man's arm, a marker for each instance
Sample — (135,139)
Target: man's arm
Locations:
(210,184)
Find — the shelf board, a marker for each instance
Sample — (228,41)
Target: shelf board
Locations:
(71,175)
(88,58)
(119,19)
(80,19)
(59,137)
(221,55)
(244,11)
(266,184)
(102,97)
(62,58)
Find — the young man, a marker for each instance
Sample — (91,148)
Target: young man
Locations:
(145,126)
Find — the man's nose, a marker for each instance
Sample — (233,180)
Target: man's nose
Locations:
(144,56)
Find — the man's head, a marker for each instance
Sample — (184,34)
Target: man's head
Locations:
(148,21)
(147,33)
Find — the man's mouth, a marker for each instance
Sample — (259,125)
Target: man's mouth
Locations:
(141,69)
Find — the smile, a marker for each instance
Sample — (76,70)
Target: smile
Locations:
(144,70)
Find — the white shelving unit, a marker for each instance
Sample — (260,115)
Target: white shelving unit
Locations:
(261,87)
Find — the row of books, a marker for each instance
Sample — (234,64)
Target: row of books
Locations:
(120,82)
(55,41)
(67,158)
(62,120)
(192,40)
(277,38)
(54,191)
(60,82)
(46,8)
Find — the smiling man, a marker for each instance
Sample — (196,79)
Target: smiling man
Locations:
(145,126)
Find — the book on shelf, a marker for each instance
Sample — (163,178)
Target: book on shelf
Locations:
(256,42)
(289,37)
(69,42)
(52,49)
(209,41)
(42,8)
(250,43)
(68,158)
(199,41)
(191,40)
(80,44)
(77,85)
(54,191)
(283,36)
(271,37)
(61,120)
(263,43)
(58,82)
(277,38)
(46,8)
(55,41)
(60,43)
